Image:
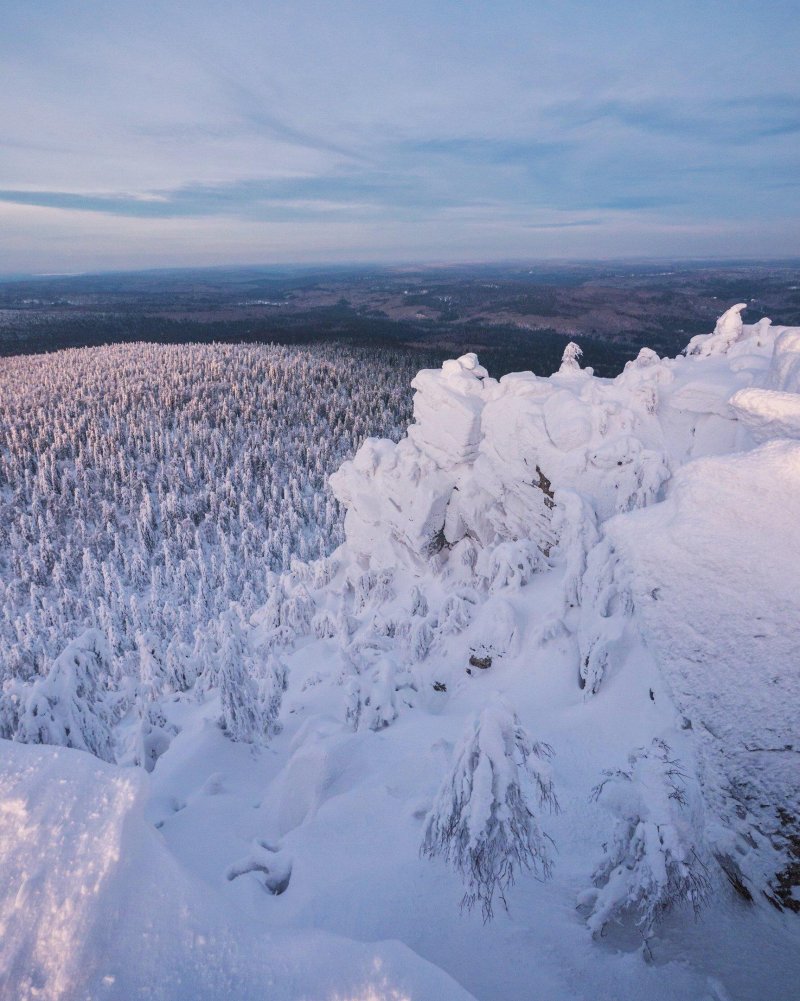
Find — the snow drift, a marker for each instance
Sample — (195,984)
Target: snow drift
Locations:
(92,905)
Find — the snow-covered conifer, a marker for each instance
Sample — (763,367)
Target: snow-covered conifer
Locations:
(421,640)
(242,714)
(353,703)
(180,669)
(418,601)
(152,672)
(484,821)
(570,360)
(67,707)
(324,625)
(655,859)
(272,682)
(510,564)
(379,704)
(606,610)
(456,612)
(152,735)
(298,611)
(575,525)
(167,514)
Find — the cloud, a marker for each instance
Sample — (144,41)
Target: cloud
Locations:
(734,121)
(253,199)
(574,224)
(582,122)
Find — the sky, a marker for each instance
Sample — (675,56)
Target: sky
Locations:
(146,134)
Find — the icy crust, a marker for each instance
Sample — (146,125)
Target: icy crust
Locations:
(94,907)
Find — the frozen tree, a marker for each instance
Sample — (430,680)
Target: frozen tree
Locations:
(654,860)
(374,697)
(298,611)
(497,632)
(456,612)
(180,668)
(242,716)
(384,586)
(607,608)
(570,360)
(164,482)
(353,703)
(575,525)
(420,640)
(363,586)
(418,601)
(152,735)
(205,658)
(323,625)
(727,332)
(272,614)
(67,706)
(272,683)
(510,564)
(151,670)
(380,708)
(484,822)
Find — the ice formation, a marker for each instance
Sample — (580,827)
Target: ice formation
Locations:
(668,499)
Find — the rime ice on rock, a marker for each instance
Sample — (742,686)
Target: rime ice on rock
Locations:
(447,410)
(498,482)
(726,333)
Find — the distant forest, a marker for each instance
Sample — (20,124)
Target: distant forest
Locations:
(501,349)
(514,317)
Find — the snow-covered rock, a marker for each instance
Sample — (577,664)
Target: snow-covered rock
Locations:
(483,457)
(713,575)
(648,495)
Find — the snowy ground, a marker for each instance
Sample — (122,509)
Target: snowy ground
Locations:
(624,555)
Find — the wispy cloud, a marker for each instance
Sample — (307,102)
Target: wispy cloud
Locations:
(360,192)
(352,124)
(736,121)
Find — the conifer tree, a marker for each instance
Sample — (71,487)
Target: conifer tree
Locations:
(484,820)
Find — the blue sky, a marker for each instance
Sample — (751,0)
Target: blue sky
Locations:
(138,134)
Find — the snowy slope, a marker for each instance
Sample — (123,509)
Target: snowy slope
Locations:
(95,906)
(713,572)
(553,664)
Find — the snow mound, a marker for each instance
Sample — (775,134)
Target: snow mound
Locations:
(61,840)
(93,906)
(719,608)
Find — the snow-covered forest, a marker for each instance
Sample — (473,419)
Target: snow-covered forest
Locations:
(522,725)
(145,488)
